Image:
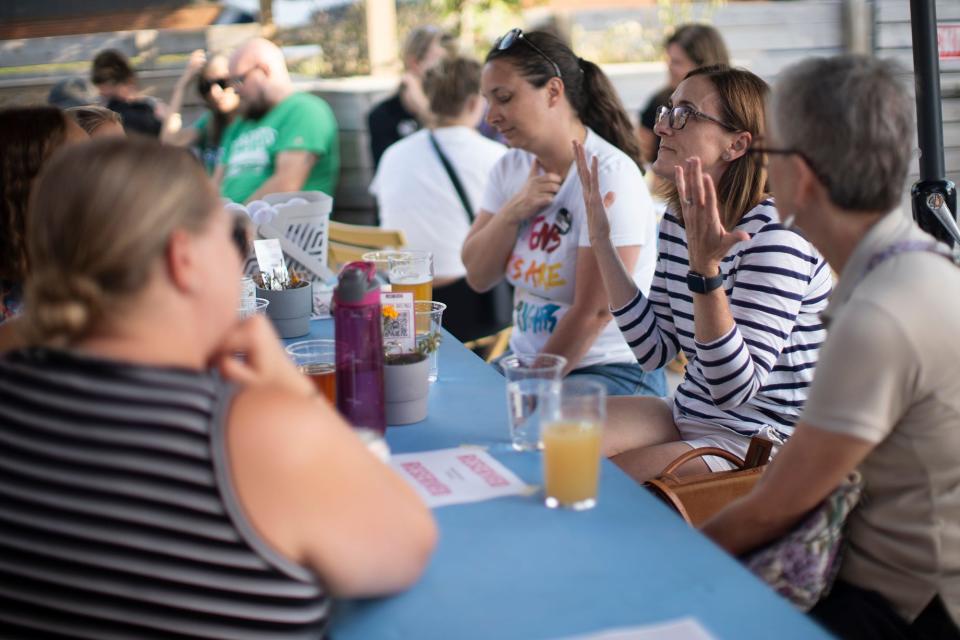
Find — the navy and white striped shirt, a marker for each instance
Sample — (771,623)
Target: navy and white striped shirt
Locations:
(756,375)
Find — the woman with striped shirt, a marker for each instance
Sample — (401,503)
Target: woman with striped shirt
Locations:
(737,291)
(153,485)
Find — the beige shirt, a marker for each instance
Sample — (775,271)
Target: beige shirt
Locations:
(889,373)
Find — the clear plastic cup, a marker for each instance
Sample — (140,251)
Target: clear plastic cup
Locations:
(317,360)
(252,307)
(429,317)
(533,388)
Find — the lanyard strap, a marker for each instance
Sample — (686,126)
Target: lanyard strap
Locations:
(908,246)
(464,199)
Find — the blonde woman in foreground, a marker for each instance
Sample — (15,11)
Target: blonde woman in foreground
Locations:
(153,483)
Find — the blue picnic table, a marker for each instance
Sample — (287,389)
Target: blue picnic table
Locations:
(511,568)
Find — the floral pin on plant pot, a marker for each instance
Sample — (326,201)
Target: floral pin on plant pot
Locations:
(406,384)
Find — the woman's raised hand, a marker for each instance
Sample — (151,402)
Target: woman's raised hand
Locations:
(263,363)
(707,239)
(537,192)
(597,222)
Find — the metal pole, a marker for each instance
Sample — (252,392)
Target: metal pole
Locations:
(926,67)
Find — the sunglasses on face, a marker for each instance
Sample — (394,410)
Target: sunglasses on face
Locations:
(237,81)
(677,117)
(206,86)
(511,38)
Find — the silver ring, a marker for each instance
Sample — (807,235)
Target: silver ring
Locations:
(688,201)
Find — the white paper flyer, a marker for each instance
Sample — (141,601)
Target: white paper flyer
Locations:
(456,476)
(680,629)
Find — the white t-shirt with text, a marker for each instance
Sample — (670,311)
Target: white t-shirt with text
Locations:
(542,267)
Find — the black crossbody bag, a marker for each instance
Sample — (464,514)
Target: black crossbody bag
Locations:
(498,302)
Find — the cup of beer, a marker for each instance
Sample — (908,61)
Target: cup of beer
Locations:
(316,359)
(412,271)
(571,445)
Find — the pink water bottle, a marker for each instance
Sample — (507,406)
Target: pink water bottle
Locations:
(359,338)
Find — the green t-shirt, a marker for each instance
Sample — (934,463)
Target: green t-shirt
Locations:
(302,122)
(208,152)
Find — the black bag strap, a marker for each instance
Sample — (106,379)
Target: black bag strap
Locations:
(453,177)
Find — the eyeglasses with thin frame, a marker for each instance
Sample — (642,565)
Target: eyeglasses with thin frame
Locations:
(510,38)
(206,85)
(758,148)
(677,117)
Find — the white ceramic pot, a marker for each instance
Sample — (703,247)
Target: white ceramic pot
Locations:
(405,391)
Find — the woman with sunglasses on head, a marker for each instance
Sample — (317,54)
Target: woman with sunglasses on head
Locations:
(150,474)
(212,78)
(736,290)
(531,226)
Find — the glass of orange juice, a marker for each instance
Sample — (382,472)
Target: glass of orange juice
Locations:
(317,359)
(571,445)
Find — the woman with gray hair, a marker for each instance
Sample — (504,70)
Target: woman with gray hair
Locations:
(886,396)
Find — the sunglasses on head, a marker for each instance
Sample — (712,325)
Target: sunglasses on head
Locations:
(510,38)
(206,85)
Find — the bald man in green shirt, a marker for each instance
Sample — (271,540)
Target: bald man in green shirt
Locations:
(284,140)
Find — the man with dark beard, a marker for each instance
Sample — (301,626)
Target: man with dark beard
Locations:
(284,140)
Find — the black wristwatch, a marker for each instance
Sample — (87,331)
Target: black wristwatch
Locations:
(702,284)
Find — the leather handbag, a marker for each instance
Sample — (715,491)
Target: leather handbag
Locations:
(697,497)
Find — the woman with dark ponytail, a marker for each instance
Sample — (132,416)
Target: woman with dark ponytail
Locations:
(531,226)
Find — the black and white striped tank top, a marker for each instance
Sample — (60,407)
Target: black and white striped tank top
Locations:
(118,518)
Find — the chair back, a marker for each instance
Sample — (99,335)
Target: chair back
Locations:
(348,242)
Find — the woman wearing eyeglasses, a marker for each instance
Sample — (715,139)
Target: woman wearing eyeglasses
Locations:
(735,289)
(213,84)
(531,227)
(168,486)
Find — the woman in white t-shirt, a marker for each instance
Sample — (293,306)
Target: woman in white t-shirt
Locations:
(416,194)
(531,227)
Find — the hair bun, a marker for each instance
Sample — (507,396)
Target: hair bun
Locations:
(61,309)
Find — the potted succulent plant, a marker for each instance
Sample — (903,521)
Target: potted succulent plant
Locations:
(406,382)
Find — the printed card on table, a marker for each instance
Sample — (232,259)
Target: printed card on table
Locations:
(679,629)
(399,325)
(456,476)
(270,261)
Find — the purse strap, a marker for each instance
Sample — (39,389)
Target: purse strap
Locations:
(699,453)
(758,454)
(454,178)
